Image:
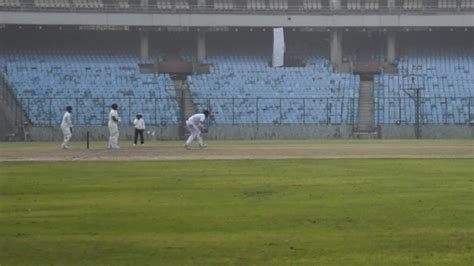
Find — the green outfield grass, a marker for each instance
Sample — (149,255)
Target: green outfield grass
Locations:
(238,212)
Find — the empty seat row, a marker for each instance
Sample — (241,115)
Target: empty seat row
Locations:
(445,78)
(10,3)
(52,3)
(89,4)
(45,85)
(243,89)
(312,4)
(223,4)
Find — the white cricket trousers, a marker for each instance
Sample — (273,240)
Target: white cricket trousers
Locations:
(114,136)
(67,136)
(195,133)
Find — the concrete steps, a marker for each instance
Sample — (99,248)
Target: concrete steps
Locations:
(187,105)
(14,121)
(365,128)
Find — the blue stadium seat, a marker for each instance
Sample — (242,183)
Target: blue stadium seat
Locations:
(89,81)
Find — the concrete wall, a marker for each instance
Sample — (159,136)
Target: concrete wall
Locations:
(102,133)
(233,20)
(264,132)
(241,132)
(261,132)
(428,132)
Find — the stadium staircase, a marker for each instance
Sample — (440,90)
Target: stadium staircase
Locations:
(365,127)
(188,108)
(14,120)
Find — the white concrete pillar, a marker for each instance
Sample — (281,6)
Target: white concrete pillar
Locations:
(144,45)
(336,47)
(201,46)
(391,47)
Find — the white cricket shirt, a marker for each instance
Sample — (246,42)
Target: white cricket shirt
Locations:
(139,123)
(195,119)
(67,121)
(113,113)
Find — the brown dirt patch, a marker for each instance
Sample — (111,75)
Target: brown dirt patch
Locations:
(234,150)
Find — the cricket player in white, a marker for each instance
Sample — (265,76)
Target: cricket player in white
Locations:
(194,124)
(66,127)
(113,127)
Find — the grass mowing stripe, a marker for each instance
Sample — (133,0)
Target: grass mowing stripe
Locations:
(259,212)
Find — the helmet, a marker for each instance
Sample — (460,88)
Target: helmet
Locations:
(114,106)
(206,113)
(69,109)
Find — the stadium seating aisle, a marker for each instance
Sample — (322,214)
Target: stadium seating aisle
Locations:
(47,81)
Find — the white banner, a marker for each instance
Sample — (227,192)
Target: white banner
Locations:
(278,47)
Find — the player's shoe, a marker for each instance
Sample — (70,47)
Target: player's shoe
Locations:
(134,144)
(202,146)
(186,146)
(64,147)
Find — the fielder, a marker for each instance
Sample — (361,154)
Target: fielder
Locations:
(66,127)
(113,127)
(194,124)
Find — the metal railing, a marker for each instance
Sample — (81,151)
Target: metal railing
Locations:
(428,6)
(277,111)
(47,111)
(434,110)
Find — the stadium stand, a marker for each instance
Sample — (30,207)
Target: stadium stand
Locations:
(256,4)
(46,81)
(445,73)
(223,4)
(124,4)
(354,4)
(243,88)
(467,4)
(10,3)
(164,4)
(182,4)
(447,4)
(247,90)
(52,3)
(312,4)
(412,4)
(371,5)
(89,4)
(277,4)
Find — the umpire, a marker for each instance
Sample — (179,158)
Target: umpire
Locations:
(139,128)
